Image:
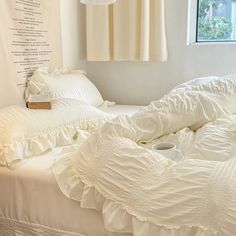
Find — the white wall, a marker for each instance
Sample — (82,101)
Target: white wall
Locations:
(139,83)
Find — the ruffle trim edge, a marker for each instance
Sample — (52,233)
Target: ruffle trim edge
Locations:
(117,218)
(45,140)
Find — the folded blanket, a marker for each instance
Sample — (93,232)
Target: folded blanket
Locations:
(140,191)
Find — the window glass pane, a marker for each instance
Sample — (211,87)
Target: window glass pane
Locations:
(216,20)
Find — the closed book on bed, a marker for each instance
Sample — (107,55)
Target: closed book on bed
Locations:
(39,102)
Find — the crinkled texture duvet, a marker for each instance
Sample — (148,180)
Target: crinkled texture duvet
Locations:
(139,191)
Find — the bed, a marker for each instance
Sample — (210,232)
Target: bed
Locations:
(103,177)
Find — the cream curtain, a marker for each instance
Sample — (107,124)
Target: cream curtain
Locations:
(129,30)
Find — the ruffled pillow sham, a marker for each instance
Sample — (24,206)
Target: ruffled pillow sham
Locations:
(26,133)
(64,83)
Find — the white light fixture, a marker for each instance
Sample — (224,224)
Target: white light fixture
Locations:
(98,2)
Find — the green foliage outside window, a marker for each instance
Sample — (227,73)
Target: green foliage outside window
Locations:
(213,28)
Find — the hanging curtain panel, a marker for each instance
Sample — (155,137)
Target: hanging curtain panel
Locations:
(129,30)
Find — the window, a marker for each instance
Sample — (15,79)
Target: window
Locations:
(215,21)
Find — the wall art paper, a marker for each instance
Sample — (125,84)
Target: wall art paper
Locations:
(30,37)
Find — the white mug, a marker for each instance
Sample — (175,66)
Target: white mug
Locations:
(168,150)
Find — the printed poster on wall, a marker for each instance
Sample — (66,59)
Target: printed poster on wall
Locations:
(30,37)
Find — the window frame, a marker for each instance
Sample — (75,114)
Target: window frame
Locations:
(192,28)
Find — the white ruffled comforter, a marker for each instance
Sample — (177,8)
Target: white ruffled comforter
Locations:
(139,191)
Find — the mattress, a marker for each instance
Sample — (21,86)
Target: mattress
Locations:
(122,109)
(31,203)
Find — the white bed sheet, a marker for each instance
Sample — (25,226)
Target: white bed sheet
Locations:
(32,204)
(122,109)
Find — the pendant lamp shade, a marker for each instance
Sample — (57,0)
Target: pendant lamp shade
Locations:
(98,2)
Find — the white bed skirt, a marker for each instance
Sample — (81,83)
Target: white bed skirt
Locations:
(10,227)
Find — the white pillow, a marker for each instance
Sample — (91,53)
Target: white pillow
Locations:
(64,83)
(25,133)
